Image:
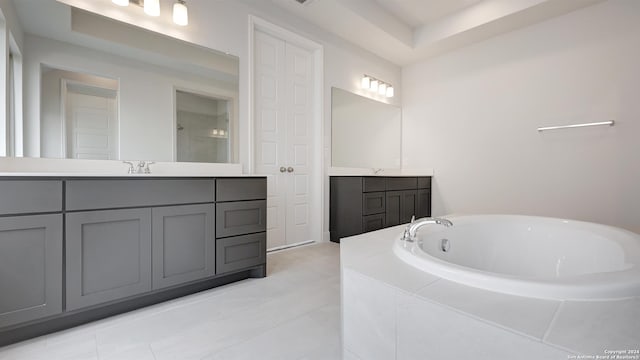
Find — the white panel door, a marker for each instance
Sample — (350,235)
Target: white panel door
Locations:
(283,113)
(299,80)
(270,138)
(91,126)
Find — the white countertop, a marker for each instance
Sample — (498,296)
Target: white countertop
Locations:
(582,327)
(342,171)
(112,168)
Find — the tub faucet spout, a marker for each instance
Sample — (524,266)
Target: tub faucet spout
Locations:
(415,225)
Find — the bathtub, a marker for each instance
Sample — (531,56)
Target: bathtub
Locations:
(537,257)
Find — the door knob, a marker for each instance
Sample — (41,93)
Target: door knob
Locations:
(290,169)
(283,169)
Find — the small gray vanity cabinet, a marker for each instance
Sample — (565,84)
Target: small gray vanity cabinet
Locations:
(30,250)
(366,203)
(241,224)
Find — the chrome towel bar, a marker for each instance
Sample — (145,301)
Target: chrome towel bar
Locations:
(610,123)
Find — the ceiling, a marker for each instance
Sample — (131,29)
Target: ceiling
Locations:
(417,13)
(407,31)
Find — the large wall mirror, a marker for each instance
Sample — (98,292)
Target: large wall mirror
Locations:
(364,133)
(96,88)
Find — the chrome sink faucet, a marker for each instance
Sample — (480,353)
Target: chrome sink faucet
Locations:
(415,225)
(143,167)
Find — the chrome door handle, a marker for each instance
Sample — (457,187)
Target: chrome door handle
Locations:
(290,169)
(283,169)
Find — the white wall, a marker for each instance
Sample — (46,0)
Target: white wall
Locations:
(472,116)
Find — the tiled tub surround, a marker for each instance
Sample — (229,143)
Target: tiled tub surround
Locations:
(394,311)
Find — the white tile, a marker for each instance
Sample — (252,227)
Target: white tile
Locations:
(431,331)
(215,335)
(368,316)
(369,244)
(349,355)
(79,350)
(526,315)
(302,283)
(590,327)
(292,340)
(388,268)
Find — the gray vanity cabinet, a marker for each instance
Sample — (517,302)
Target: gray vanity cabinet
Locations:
(108,255)
(30,267)
(183,244)
(361,204)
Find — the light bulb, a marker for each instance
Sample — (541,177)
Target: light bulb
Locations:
(152,7)
(382,89)
(180,13)
(390,91)
(366,82)
(121,2)
(374,85)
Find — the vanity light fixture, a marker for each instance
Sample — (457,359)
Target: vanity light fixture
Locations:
(152,7)
(382,89)
(390,91)
(180,13)
(377,86)
(366,82)
(374,85)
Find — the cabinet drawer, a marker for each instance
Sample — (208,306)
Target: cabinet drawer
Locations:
(106,194)
(370,184)
(424,183)
(234,189)
(30,196)
(373,222)
(401,183)
(239,252)
(373,203)
(239,218)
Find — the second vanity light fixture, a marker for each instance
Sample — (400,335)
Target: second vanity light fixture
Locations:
(375,85)
(152,8)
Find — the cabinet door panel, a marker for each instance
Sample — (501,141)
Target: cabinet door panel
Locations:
(238,252)
(373,222)
(30,268)
(408,205)
(373,203)
(393,208)
(108,255)
(423,203)
(183,244)
(238,218)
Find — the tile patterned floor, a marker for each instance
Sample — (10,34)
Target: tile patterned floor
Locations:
(293,313)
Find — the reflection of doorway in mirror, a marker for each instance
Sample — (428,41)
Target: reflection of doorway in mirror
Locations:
(91,120)
(202,128)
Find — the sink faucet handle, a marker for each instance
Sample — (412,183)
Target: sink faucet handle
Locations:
(147,170)
(131,168)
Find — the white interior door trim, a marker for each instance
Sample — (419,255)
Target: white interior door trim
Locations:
(316,176)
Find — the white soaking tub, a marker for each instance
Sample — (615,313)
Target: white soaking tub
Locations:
(537,257)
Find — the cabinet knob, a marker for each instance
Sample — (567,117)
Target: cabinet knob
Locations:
(283,169)
(290,169)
